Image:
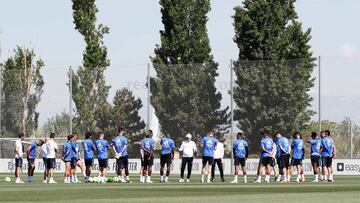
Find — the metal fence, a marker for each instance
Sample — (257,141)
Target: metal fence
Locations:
(336,100)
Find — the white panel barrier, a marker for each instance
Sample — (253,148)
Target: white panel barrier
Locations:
(340,166)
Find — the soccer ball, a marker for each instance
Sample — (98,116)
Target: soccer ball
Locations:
(91,180)
(7,179)
(106,180)
(95,179)
(116,179)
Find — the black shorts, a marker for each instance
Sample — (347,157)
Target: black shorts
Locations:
(45,163)
(51,163)
(18,162)
(273,162)
(89,162)
(73,162)
(265,161)
(296,162)
(327,161)
(315,160)
(207,160)
(103,163)
(122,162)
(239,161)
(148,160)
(284,161)
(31,163)
(165,159)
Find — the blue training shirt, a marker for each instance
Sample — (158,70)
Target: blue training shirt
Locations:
(32,153)
(119,143)
(298,148)
(102,147)
(327,146)
(167,145)
(148,143)
(267,143)
(209,144)
(88,147)
(240,148)
(67,149)
(315,147)
(283,142)
(75,150)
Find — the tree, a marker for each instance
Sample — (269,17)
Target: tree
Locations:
(125,113)
(273,69)
(22,89)
(59,124)
(89,86)
(183,92)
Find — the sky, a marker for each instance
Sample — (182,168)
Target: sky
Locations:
(48,27)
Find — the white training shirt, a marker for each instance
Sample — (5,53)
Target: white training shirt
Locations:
(50,149)
(219,151)
(43,150)
(188,148)
(18,145)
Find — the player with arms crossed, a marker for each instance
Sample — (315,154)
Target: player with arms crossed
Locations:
(315,151)
(188,148)
(267,149)
(147,155)
(167,155)
(89,149)
(31,155)
(120,145)
(284,163)
(241,153)
(297,158)
(102,147)
(208,143)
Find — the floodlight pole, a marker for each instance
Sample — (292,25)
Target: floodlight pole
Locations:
(70,100)
(231,112)
(148,97)
(319,66)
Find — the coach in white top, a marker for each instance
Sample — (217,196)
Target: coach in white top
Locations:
(19,153)
(51,150)
(218,156)
(188,147)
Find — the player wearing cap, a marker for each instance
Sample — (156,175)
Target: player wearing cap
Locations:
(241,153)
(119,146)
(208,143)
(89,149)
(31,155)
(19,153)
(188,148)
(147,155)
(52,148)
(167,155)
(102,147)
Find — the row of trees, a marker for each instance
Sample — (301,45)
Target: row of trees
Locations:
(271,94)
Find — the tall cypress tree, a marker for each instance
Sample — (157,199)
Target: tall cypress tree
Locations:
(89,86)
(274,68)
(183,92)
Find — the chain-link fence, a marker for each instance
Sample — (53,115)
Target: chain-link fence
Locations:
(181,97)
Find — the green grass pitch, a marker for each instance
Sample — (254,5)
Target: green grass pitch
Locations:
(344,189)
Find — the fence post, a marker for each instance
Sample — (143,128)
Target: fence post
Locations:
(319,66)
(70,100)
(232,112)
(148,97)
(351,141)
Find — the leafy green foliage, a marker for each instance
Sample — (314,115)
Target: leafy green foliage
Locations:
(59,124)
(89,86)
(273,72)
(22,89)
(183,92)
